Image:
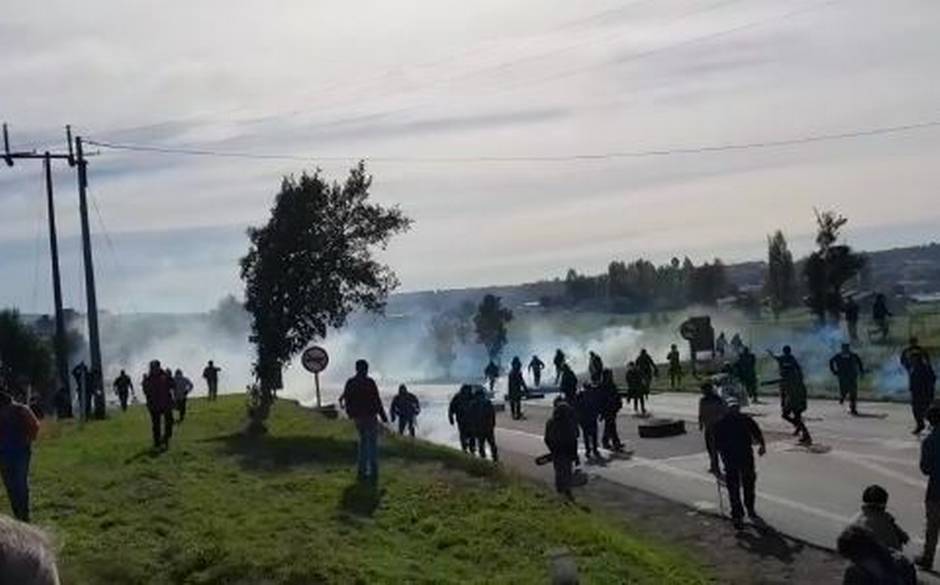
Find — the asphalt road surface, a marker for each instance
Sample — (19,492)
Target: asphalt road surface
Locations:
(810,494)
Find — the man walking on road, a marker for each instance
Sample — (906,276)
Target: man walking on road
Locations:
(459,412)
(559,362)
(610,404)
(123,386)
(675,367)
(535,367)
(735,436)
(792,393)
(363,405)
(711,409)
(561,438)
(18,429)
(930,466)
(517,388)
(847,367)
(745,368)
(405,407)
(922,384)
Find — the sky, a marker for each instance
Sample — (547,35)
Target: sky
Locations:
(404,84)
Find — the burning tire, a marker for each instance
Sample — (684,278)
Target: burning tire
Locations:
(658,428)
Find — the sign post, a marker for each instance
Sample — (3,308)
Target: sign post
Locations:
(315,359)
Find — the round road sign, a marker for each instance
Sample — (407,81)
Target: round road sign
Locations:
(315,359)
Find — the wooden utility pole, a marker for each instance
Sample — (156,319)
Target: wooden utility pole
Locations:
(97,375)
(61,350)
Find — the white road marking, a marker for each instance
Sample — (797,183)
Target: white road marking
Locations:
(878,468)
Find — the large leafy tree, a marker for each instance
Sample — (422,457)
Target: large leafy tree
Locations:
(708,283)
(490,323)
(311,266)
(780,285)
(829,267)
(25,358)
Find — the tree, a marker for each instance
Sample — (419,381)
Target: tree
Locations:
(708,282)
(829,267)
(780,285)
(26,363)
(490,324)
(442,330)
(311,266)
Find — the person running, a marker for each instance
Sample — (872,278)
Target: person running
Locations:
(559,362)
(535,368)
(491,373)
(158,390)
(211,375)
(735,436)
(587,408)
(517,388)
(930,466)
(647,368)
(595,367)
(675,367)
(745,368)
(569,383)
(922,384)
(459,412)
(711,409)
(123,386)
(881,316)
(875,517)
(792,393)
(363,405)
(561,438)
(636,388)
(405,407)
(483,423)
(610,403)
(851,311)
(18,429)
(182,386)
(847,367)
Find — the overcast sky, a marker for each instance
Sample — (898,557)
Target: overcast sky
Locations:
(442,78)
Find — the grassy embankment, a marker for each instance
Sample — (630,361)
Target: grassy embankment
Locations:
(222,508)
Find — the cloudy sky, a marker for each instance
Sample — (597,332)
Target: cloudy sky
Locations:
(397,80)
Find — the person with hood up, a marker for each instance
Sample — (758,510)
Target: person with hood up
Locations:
(459,412)
(517,388)
(561,438)
(405,407)
(158,390)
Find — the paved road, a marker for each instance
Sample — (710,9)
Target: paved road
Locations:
(809,494)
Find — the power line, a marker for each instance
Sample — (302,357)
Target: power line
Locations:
(673,151)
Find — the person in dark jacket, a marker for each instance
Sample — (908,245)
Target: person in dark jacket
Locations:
(851,311)
(930,466)
(647,368)
(18,429)
(483,423)
(211,375)
(364,407)
(711,409)
(675,367)
(158,390)
(535,368)
(558,361)
(586,406)
(569,383)
(922,384)
(517,388)
(913,349)
(561,438)
(491,373)
(405,407)
(871,563)
(123,386)
(735,436)
(459,412)
(847,367)
(636,388)
(792,393)
(881,315)
(610,403)
(595,367)
(875,517)
(745,368)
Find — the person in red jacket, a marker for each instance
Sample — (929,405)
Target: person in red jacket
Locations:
(18,429)
(158,388)
(363,405)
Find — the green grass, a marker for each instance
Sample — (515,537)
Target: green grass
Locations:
(219,507)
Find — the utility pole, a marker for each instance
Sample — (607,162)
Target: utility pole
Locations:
(91,296)
(61,351)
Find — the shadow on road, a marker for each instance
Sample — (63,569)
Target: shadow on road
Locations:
(767,542)
(361,498)
(149,453)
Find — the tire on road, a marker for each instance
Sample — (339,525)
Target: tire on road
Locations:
(657,428)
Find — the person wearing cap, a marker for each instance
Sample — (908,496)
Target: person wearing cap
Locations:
(18,429)
(735,436)
(875,518)
(847,367)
